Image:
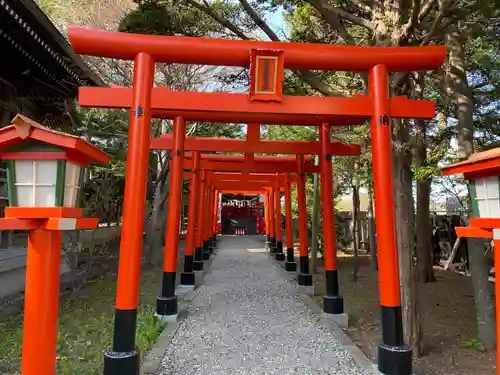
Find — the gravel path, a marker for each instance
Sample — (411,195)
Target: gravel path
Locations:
(247,319)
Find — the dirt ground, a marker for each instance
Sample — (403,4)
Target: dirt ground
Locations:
(448,318)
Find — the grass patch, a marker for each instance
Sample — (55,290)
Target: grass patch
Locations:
(86,327)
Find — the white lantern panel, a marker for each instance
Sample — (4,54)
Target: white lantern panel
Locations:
(46,172)
(491,187)
(45,196)
(494,208)
(24,171)
(72,174)
(482,205)
(70,194)
(25,195)
(480,188)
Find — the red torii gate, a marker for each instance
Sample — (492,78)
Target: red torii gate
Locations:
(272,189)
(145,50)
(252,163)
(229,181)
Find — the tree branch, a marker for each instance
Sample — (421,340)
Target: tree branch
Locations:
(434,28)
(209,11)
(361,5)
(306,76)
(425,10)
(311,79)
(259,21)
(324,9)
(412,22)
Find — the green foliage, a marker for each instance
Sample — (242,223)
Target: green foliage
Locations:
(85,327)
(168,18)
(474,344)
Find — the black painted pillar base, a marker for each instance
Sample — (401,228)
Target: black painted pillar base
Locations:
(187,278)
(290,266)
(198,265)
(280,256)
(188,263)
(394,357)
(395,360)
(273,245)
(166,306)
(198,259)
(305,279)
(206,252)
(124,358)
(332,301)
(333,304)
(166,303)
(279,247)
(122,363)
(304,264)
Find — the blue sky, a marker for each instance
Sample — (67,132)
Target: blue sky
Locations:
(277,22)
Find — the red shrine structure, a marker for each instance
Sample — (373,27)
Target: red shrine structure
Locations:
(482,173)
(263,104)
(45,173)
(242,214)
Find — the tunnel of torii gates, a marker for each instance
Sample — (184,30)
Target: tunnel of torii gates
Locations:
(263,104)
(218,175)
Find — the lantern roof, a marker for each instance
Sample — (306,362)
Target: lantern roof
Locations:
(488,162)
(23,128)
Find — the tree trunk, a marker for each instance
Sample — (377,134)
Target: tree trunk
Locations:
(355,221)
(159,210)
(423,233)
(315,224)
(153,239)
(479,267)
(424,250)
(405,217)
(483,292)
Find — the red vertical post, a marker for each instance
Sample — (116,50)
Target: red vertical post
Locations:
(41,303)
(280,256)
(394,357)
(166,303)
(206,220)
(332,302)
(266,214)
(124,359)
(215,219)
(187,277)
(305,277)
(210,218)
(290,264)
(496,257)
(272,220)
(253,136)
(198,251)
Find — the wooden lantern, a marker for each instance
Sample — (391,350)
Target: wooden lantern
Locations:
(482,170)
(44,167)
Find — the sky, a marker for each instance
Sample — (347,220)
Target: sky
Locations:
(276,21)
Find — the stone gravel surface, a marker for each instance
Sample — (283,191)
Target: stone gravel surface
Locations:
(247,319)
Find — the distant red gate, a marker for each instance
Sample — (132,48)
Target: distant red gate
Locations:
(241,215)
